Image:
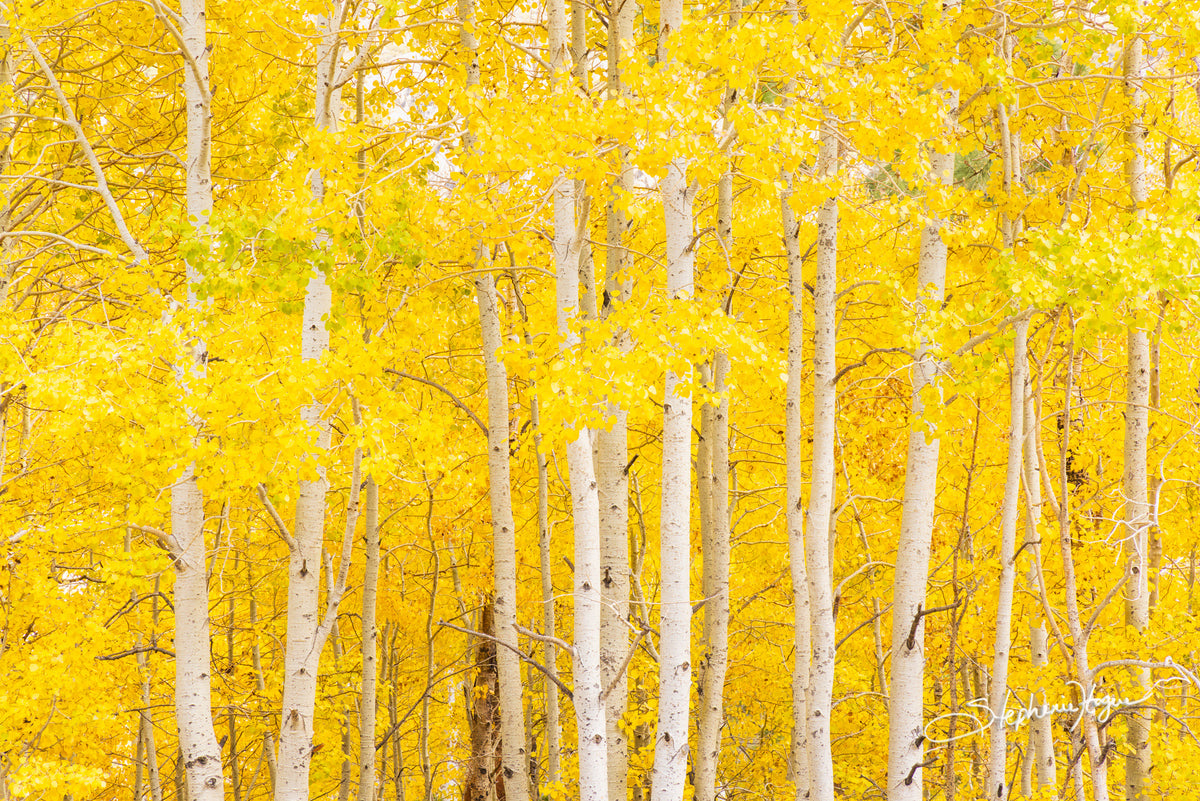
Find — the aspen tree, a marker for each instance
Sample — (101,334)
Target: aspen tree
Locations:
(1091,736)
(370,647)
(1136,520)
(820,504)
(996,781)
(798,756)
(906,718)
(996,785)
(798,761)
(513,744)
(675,653)
(612,448)
(550,650)
(198,746)
(1041,731)
(508,664)
(302,653)
(714,505)
(568,243)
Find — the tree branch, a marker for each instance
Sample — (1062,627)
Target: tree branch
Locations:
(438,386)
(139,254)
(167,541)
(280,526)
(565,690)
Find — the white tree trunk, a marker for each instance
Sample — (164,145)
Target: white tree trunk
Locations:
(550,653)
(504,549)
(675,652)
(613,499)
(612,453)
(302,656)
(585,503)
(713,470)
(1041,729)
(820,502)
(193,694)
(1137,431)
(906,712)
(1096,756)
(996,784)
(794,437)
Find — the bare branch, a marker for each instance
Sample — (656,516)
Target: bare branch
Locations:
(339,587)
(280,526)
(624,665)
(438,386)
(565,690)
(139,254)
(168,542)
(563,644)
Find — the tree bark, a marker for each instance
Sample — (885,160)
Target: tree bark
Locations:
(504,549)
(715,553)
(675,653)
(1137,431)
(906,718)
(996,785)
(201,754)
(302,655)
(370,648)
(794,422)
(1041,729)
(821,496)
(612,450)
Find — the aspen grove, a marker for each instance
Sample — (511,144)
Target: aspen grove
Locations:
(496,400)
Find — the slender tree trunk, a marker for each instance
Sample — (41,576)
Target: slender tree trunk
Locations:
(193,691)
(1137,432)
(585,503)
(370,648)
(794,437)
(675,652)
(427,696)
(715,545)
(139,782)
(550,654)
(261,684)
(302,655)
(612,451)
(235,774)
(1096,753)
(906,718)
(336,640)
(996,785)
(820,508)
(1041,729)
(715,552)
(508,663)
